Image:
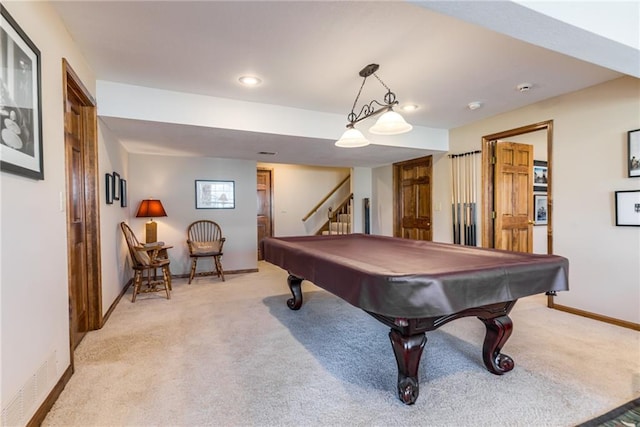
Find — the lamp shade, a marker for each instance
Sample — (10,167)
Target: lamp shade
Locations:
(390,123)
(352,138)
(151,208)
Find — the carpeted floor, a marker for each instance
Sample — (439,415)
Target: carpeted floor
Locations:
(232,354)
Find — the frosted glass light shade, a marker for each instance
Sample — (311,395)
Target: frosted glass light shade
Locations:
(390,123)
(352,138)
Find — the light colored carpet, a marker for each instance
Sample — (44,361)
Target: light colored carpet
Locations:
(232,354)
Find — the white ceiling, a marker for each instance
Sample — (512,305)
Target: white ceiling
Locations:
(308,54)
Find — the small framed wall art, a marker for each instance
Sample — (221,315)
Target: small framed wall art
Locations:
(215,194)
(633,150)
(108,188)
(123,193)
(628,208)
(116,186)
(540,209)
(540,175)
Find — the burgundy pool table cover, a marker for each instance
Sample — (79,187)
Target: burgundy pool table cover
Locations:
(415,279)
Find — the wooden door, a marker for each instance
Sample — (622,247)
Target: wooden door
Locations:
(82,208)
(264,207)
(78,280)
(513,196)
(412,183)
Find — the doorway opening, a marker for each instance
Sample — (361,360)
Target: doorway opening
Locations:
(490,188)
(265,198)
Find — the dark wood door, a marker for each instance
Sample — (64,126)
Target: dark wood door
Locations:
(513,197)
(78,280)
(413,211)
(264,207)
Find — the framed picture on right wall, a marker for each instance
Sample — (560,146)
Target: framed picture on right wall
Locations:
(633,161)
(540,209)
(539,175)
(628,208)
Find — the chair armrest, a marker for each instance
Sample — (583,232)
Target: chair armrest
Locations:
(150,249)
(153,245)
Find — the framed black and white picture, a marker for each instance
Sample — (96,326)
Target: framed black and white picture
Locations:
(628,208)
(123,193)
(540,175)
(215,194)
(540,209)
(108,188)
(116,186)
(633,144)
(20,102)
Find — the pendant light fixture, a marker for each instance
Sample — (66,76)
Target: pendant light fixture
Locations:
(389,123)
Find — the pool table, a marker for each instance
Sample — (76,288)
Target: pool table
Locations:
(417,286)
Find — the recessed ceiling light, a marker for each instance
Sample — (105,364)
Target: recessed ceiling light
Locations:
(474,105)
(250,80)
(409,107)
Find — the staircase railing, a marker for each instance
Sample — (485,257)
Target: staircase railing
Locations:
(338,203)
(325,198)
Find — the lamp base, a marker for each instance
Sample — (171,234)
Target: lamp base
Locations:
(151,232)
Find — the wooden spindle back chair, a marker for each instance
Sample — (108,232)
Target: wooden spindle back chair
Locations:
(204,238)
(145,260)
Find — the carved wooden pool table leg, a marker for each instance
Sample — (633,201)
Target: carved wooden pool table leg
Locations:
(498,332)
(408,350)
(295,285)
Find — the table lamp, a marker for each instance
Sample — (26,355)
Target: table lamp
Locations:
(150,208)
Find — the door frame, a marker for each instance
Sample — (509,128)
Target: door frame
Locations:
(71,82)
(487,179)
(487,182)
(270,171)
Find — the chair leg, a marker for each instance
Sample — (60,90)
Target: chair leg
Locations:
(167,280)
(218,264)
(194,261)
(137,280)
(214,270)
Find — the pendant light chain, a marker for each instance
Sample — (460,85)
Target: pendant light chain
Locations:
(381,82)
(389,97)
(352,116)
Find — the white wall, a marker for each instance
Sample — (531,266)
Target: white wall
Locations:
(589,164)
(116,272)
(590,141)
(382,201)
(361,181)
(172,180)
(34,296)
